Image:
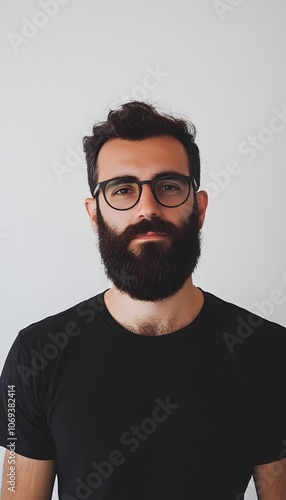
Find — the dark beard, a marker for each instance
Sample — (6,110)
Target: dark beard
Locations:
(156,271)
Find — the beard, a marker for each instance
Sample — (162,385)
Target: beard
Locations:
(157,269)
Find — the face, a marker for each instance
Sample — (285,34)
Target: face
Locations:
(150,250)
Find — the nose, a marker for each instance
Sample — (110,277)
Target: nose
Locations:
(147,206)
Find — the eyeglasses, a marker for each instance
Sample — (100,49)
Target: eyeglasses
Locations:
(123,193)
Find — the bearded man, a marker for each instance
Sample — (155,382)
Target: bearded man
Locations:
(153,388)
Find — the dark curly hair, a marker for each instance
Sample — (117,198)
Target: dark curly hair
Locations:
(136,120)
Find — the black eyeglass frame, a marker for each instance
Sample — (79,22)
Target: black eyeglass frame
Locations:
(101,185)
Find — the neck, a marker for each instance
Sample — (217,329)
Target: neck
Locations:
(155,318)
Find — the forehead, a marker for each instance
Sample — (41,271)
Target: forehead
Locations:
(143,158)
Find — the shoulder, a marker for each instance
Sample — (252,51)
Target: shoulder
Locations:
(242,327)
(224,309)
(68,322)
(42,347)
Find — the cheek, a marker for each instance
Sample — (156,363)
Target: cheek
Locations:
(179,214)
(116,219)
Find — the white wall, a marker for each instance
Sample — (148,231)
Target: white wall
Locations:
(223,67)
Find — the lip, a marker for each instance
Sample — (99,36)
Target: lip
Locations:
(150,235)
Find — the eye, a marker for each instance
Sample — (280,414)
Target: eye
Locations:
(124,190)
(169,186)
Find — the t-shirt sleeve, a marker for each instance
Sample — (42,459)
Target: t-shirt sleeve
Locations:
(270,395)
(34,439)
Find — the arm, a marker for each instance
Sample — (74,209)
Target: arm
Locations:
(270,480)
(34,479)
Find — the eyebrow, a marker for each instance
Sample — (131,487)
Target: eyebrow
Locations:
(156,176)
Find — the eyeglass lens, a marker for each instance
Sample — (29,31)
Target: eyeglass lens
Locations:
(170,192)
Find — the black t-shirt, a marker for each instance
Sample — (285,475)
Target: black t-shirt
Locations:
(185,415)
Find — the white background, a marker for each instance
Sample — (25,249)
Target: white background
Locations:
(223,67)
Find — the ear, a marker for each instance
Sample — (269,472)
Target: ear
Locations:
(90,205)
(202,200)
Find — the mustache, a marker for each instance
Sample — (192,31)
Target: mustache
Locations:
(146,225)
(155,225)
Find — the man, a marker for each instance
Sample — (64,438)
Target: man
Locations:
(154,388)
